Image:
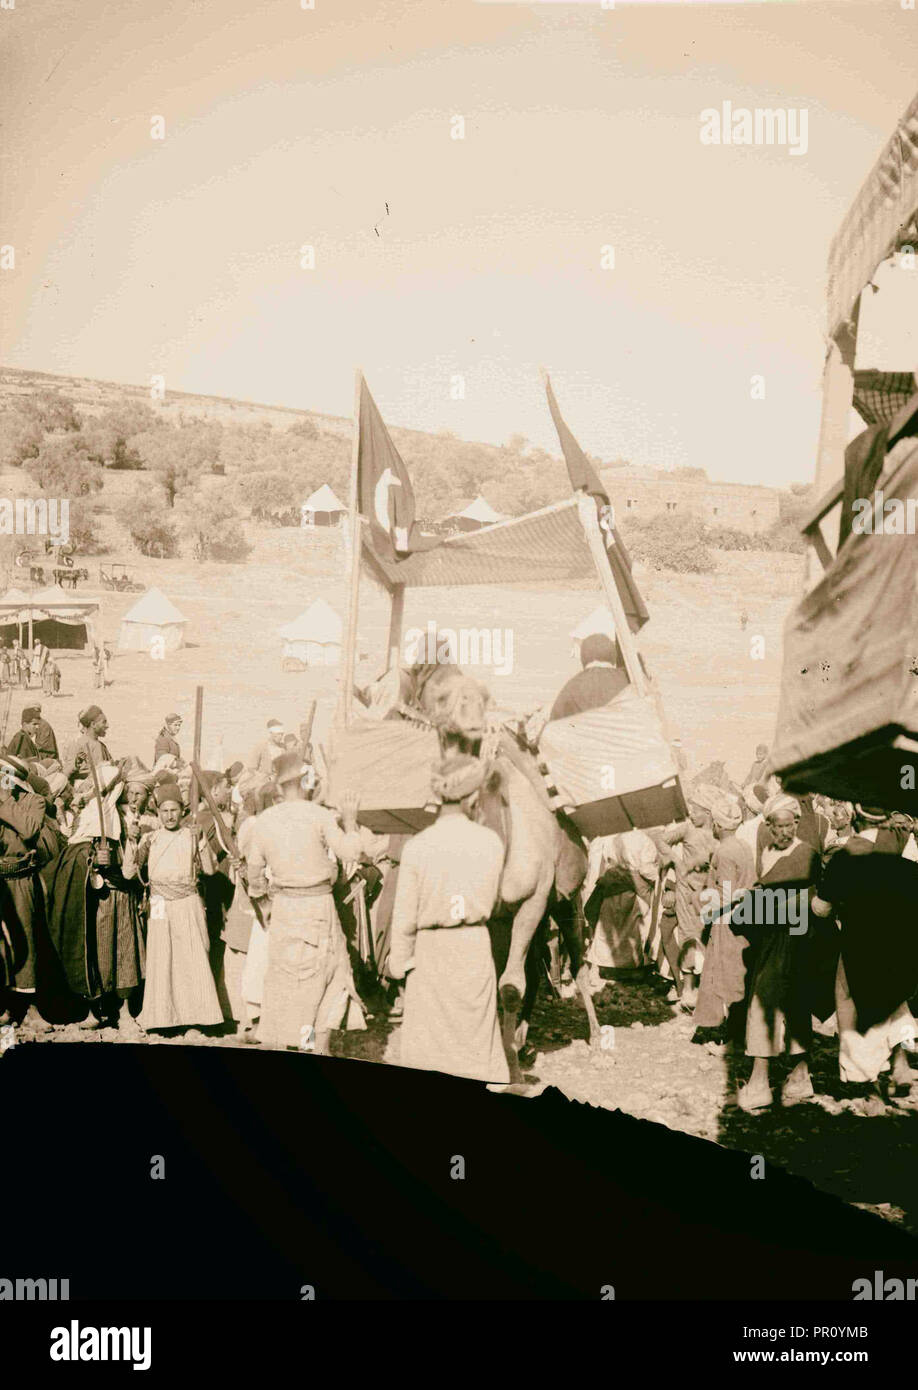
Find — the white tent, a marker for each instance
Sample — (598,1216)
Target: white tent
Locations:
(313,639)
(323,508)
(477,514)
(153,618)
(599,621)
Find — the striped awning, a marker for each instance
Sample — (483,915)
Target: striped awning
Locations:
(547,547)
(881,219)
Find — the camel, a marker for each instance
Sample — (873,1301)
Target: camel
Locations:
(546,862)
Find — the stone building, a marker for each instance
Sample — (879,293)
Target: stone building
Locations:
(638,492)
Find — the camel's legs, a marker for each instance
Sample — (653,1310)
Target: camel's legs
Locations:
(568,913)
(511,987)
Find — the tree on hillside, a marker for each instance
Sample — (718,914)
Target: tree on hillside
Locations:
(62,467)
(51,411)
(20,438)
(272,497)
(212,524)
(179,455)
(304,428)
(149,523)
(110,438)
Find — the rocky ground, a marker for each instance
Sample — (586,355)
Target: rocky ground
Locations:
(845,1141)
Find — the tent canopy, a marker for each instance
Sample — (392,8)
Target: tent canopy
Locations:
(324,500)
(319,623)
(880,218)
(58,620)
(154,609)
(544,547)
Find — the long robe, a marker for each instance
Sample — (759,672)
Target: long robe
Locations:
(792,971)
(875,891)
(180,990)
(450,1022)
(24,829)
(98,931)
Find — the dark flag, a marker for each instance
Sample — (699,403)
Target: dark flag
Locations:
(584,478)
(384,492)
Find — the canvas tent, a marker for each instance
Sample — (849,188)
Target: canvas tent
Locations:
(323,508)
(477,514)
(152,618)
(312,639)
(58,620)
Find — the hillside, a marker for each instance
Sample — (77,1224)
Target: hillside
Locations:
(719,699)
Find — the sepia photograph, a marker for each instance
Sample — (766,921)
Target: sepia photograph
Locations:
(459,665)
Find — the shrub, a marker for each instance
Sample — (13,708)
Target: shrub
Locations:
(665,543)
(149,524)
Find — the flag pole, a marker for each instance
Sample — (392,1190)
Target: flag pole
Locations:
(346,690)
(586,508)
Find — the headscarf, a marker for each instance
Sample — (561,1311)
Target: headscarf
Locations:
(705,795)
(781,801)
(726,813)
(457,777)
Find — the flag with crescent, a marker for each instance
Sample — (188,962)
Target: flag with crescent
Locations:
(384,493)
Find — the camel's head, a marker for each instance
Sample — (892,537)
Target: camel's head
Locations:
(457,705)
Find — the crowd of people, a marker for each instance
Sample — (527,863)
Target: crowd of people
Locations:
(767,911)
(27,668)
(139,896)
(156,897)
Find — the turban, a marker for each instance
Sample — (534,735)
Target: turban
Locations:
(456,778)
(755,798)
(726,813)
(31,712)
(139,779)
(86,718)
(779,803)
(705,795)
(57,783)
(168,791)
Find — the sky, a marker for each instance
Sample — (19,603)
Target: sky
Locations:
(439,258)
